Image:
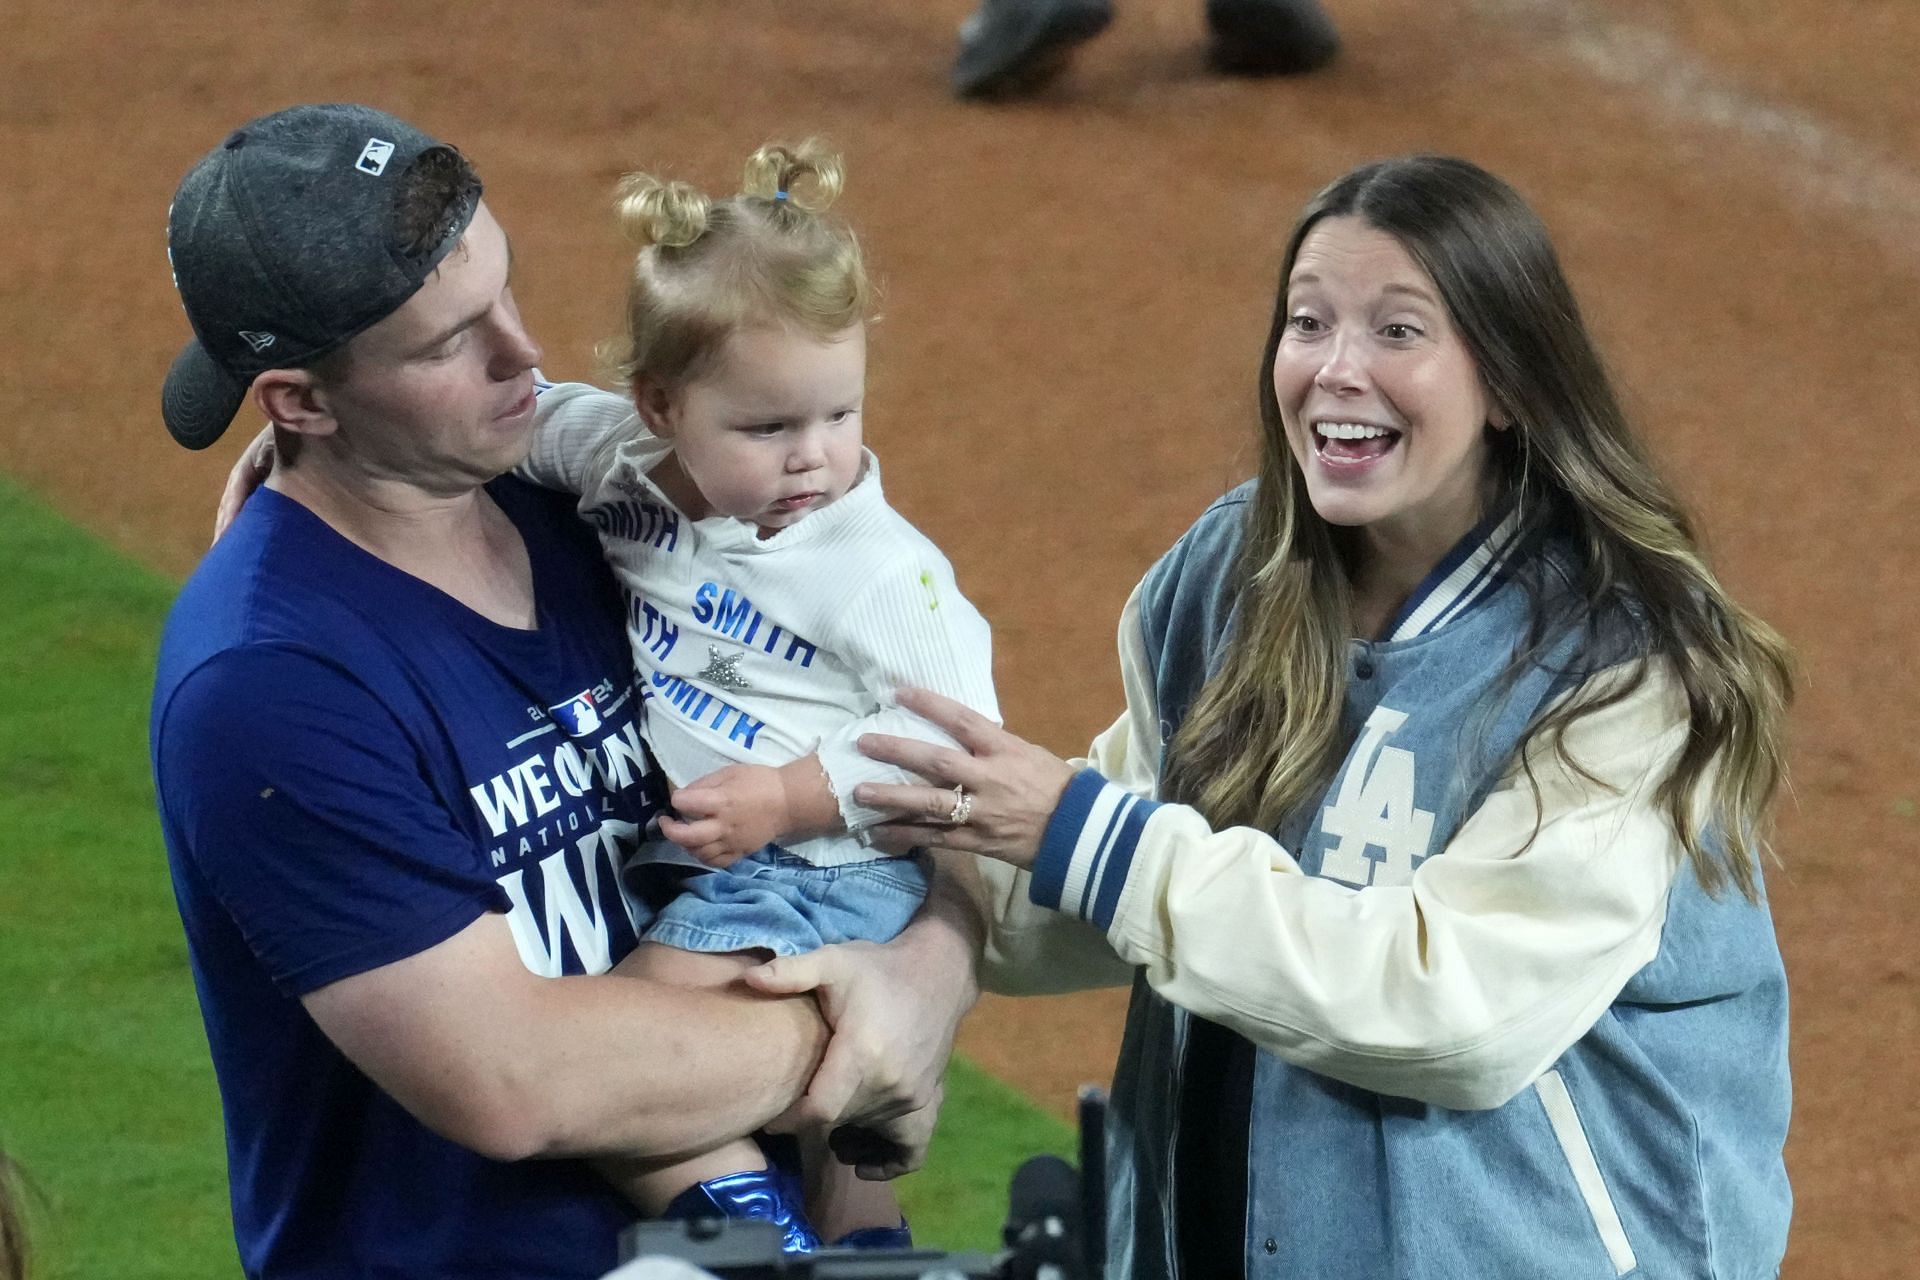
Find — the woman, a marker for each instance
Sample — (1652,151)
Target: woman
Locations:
(1431,830)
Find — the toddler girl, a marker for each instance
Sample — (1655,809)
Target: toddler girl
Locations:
(774,602)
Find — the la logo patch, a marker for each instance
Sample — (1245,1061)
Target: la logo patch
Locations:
(1375,810)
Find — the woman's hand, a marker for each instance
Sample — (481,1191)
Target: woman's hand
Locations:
(255,464)
(1011,786)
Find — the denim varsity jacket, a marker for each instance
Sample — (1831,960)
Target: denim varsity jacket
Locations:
(1495,1038)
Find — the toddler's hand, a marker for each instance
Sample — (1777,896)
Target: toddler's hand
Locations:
(728,814)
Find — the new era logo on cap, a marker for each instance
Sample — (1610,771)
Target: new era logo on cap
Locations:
(257,340)
(374,156)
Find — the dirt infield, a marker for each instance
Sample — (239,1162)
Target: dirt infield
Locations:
(1076,293)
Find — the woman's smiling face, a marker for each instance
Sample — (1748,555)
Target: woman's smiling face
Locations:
(1384,408)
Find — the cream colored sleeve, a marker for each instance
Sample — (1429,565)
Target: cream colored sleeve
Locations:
(1032,950)
(1459,988)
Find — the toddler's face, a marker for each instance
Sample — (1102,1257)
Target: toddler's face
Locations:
(772,431)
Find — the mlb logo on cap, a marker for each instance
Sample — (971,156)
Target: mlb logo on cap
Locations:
(374,156)
(578,715)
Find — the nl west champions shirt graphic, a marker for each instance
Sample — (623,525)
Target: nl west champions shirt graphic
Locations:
(561,820)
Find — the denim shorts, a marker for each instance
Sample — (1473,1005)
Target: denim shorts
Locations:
(774,901)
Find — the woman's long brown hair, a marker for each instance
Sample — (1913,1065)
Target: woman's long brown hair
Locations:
(1264,735)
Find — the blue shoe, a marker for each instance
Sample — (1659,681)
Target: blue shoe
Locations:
(900,1237)
(769,1195)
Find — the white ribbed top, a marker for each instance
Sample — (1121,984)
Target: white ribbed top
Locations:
(822,621)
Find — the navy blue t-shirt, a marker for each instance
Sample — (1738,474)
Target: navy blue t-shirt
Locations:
(351,768)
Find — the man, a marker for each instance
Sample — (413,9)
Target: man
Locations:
(1009,47)
(395,747)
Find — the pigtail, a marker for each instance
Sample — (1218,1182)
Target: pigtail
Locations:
(707,267)
(809,176)
(652,212)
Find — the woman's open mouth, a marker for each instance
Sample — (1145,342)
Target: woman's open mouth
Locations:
(1351,443)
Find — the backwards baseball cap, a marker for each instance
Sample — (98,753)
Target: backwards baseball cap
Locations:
(285,243)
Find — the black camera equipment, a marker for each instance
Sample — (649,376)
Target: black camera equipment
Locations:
(1055,1230)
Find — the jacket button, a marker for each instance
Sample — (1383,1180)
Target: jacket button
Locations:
(1362,669)
(1272,1245)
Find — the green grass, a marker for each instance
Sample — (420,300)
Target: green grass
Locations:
(959,1200)
(106,1092)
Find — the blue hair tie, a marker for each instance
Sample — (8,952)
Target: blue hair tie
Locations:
(779,195)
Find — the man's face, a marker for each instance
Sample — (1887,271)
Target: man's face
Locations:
(439,395)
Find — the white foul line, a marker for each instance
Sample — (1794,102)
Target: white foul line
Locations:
(1824,169)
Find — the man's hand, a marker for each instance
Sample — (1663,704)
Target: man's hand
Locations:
(892,1010)
(881,1152)
(728,814)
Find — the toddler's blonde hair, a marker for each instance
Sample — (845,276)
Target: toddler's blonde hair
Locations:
(706,268)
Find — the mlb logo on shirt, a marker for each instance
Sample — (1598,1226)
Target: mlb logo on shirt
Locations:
(578,715)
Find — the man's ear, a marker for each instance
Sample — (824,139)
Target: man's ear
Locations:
(655,404)
(293,400)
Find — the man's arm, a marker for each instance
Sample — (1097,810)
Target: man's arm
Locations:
(513,1065)
(293,791)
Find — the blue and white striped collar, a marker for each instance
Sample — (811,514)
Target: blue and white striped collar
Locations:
(1464,578)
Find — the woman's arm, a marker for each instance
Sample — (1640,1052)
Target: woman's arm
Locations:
(1457,989)
(1028,949)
